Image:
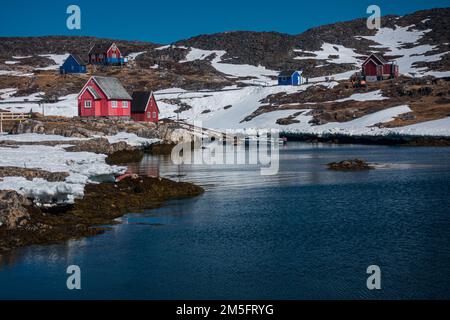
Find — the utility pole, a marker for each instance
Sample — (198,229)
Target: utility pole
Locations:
(42,107)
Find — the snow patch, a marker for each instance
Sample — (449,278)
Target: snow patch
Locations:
(15,73)
(21,57)
(366,96)
(339,54)
(6,93)
(81,166)
(133,56)
(199,54)
(35,137)
(66,107)
(131,139)
(232,70)
(57,58)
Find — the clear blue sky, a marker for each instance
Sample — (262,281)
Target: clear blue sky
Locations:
(165,21)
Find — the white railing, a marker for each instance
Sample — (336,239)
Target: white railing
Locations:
(11,116)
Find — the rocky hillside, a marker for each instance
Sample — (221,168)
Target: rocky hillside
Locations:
(26,46)
(239,70)
(270,49)
(320,51)
(278,51)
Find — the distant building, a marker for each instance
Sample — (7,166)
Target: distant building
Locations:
(144,107)
(290,78)
(73,64)
(104,97)
(376,68)
(106,54)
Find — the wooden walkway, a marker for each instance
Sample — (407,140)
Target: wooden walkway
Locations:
(218,135)
(193,128)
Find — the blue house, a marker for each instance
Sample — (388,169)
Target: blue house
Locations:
(73,64)
(290,78)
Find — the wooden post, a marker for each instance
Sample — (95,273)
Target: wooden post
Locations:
(1,122)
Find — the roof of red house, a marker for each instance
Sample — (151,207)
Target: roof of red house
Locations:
(100,47)
(376,58)
(140,101)
(94,93)
(112,88)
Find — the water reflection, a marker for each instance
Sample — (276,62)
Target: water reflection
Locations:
(48,254)
(306,232)
(300,164)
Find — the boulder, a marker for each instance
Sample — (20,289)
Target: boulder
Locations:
(14,212)
(354,164)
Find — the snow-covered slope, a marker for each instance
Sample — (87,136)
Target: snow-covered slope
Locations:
(404,42)
(225,108)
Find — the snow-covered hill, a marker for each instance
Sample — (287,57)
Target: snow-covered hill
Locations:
(412,41)
(225,80)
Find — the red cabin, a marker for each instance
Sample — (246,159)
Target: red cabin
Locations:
(376,68)
(144,107)
(104,97)
(104,53)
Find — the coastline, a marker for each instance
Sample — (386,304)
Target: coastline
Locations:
(101,204)
(389,140)
(69,184)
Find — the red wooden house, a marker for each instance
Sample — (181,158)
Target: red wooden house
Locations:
(106,53)
(376,68)
(144,107)
(104,97)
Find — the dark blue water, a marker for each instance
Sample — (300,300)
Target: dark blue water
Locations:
(306,233)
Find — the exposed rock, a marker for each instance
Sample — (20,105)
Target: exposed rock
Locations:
(161,148)
(30,174)
(287,121)
(100,145)
(13,210)
(76,127)
(123,157)
(355,164)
